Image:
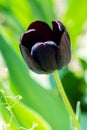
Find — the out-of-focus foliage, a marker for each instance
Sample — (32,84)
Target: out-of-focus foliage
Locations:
(27,101)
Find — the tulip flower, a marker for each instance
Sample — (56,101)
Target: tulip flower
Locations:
(44,49)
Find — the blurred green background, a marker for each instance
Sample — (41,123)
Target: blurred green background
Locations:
(28,100)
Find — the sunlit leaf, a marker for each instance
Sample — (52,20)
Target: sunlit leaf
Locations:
(75,17)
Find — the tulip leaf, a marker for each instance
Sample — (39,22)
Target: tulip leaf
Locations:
(84,120)
(75,17)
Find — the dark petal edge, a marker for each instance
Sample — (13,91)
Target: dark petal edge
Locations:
(58,29)
(29,38)
(65,53)
(30,61)
(42,28)
(45,55)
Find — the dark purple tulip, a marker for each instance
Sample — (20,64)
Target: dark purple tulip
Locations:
(45,49)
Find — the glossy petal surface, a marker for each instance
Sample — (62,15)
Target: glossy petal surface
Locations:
(45,55)
(30,61)
(29,38)
(65,54)
(58,30)
(42,28)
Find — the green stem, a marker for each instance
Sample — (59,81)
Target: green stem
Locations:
(65,100)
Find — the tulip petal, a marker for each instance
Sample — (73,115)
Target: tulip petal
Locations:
(64,51)
(42,28)
(29,38)
(58,29)
(30,61)
(45,55)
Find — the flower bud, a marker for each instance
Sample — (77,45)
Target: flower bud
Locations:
(44,49)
